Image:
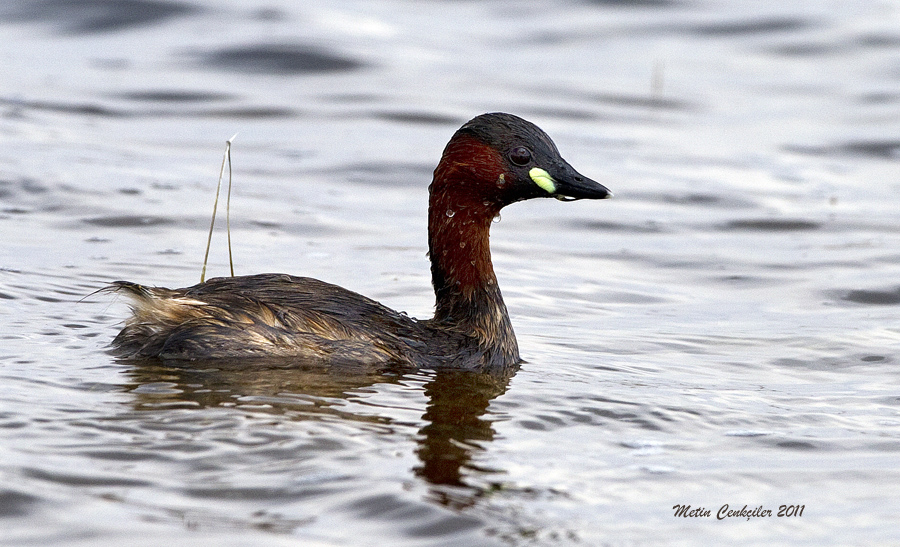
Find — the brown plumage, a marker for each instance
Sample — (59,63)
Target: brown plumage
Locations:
(491,161)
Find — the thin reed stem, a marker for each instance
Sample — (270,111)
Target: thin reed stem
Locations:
(226,158)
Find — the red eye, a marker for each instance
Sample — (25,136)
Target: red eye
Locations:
(520,155)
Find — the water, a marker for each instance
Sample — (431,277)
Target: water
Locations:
(724,331)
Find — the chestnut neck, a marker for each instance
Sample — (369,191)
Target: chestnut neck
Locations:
(465,197)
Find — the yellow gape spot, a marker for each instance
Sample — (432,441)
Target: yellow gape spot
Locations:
(543,179)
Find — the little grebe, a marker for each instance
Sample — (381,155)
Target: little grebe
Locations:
(491,161)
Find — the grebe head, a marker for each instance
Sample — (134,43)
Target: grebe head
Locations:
(497,159)
(490,162)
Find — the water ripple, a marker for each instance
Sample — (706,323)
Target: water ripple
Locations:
(279,59)
(96,16)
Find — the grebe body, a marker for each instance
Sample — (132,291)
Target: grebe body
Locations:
(490,162)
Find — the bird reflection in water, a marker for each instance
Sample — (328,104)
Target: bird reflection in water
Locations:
(456,427)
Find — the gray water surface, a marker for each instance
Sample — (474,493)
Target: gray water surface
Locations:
(724,331)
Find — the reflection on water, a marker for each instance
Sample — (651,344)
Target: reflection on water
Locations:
(455,429)
(282,384)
